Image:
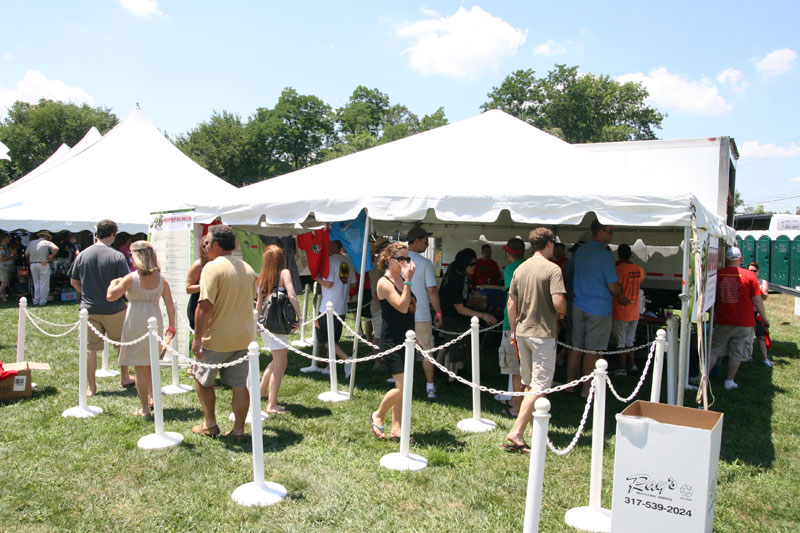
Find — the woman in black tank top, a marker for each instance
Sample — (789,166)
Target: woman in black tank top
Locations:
(397,308)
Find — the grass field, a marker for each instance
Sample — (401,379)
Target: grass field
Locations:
(66,474)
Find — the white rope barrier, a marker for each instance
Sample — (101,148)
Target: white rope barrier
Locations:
(42,320)
(115,343)
(489,328)
(604,353)
(578,433)
(641,379)
(83,410)
(53,335)
(195,361)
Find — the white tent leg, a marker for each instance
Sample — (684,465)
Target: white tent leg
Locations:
(683,352)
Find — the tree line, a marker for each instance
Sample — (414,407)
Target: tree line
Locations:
(302,130)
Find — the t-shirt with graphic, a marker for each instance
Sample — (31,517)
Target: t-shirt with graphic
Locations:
(631,277)
(315,245)
(736,288)
(342,274)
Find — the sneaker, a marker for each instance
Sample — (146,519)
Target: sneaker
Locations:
(730,384)
(768,362)
(431,392)
(348,369)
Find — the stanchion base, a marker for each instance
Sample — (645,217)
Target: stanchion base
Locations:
(154,441)
(309,369)
(105,373)
(176,389)
(476,425)
(502,397)
(301,344)
(587,519)
(334,396)
(397,461)
(82,412)
(252,494)
(249,419)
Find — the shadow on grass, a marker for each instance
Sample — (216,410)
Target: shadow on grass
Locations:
(438,438)
(273,440)
(38,392)
(184,414)
(303,411)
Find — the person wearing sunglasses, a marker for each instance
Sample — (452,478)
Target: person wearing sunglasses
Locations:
(761,332)
(454,293)
(398,306)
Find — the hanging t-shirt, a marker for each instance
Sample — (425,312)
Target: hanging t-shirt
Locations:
(342,274)
(252,248)
(631,277)
(736,288)
(315,245)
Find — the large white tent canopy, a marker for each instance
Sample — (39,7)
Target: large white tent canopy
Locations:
(488,175)
(130,172)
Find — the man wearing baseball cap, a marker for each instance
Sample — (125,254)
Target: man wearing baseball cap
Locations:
(738,291)
(509,364)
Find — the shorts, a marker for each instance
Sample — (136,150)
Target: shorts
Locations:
(322,330)
(271,344)
(537,359)
(736,341)
(424,331)
(509,364)
(233,376)
(108,325)
(590,332)
(625,332)
(5,276)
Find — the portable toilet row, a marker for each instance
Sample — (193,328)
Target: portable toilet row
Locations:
(778,259)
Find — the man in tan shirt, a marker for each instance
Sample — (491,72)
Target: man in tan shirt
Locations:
(224,327)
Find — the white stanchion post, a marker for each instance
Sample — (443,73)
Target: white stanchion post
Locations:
(594,517)
(658,364)
(104,371)
(175,387)
(404,460)
(333,395)
(314,347)
(533,499)
(21,322)
(160,439)
(302,342)
(476,424)
(265,339)
(82,410)
(257,492)
(672,358)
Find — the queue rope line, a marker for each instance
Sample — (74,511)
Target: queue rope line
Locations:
(489,328)
(641,378)
(72,327)
(574,441)
(116,343)
(196,361)
(31,316)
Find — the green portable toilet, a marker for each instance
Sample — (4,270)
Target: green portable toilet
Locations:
(794,263)
(763,250)
(781,260)
(748,250)
(739,242)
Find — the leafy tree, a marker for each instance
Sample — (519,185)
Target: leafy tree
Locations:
(219,146)
(303,127)
(577,107)
(32,132)
(365,111)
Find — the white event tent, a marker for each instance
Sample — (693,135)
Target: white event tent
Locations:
(130,172)
(490,175)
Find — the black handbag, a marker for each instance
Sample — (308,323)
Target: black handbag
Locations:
(279,316)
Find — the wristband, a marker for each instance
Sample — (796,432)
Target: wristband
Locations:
(438,314)
(171,330)
(407,283)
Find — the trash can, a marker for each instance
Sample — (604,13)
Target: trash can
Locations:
(665,469)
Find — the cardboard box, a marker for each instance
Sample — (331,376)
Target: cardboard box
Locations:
(19,386)
(665,469)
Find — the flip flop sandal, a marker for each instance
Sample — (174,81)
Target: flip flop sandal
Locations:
(377,430)
(237,437)
(517,448)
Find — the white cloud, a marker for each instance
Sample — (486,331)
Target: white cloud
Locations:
(676,93)
(462,45)
(7,56)
(768,150)
(549,48)
(734,78)
(34,85)
(776,62)
(796,178)
(142,8)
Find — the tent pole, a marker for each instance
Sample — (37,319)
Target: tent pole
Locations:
(364,251)
(683,351)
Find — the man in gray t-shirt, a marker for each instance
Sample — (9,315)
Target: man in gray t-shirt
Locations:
(90,275)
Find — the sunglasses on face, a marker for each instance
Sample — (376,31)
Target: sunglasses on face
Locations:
(472,264)
(401,259)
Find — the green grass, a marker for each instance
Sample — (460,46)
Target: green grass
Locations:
(66,474)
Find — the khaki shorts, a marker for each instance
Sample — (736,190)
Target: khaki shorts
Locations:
(590,332)
(233,376)
(625,332)
(108,325)
(508,355)
(537,361)
(735,341)
(424,331)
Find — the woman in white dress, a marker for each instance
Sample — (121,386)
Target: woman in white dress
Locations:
(143,288)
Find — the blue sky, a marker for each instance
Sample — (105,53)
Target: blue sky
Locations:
(715,68)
